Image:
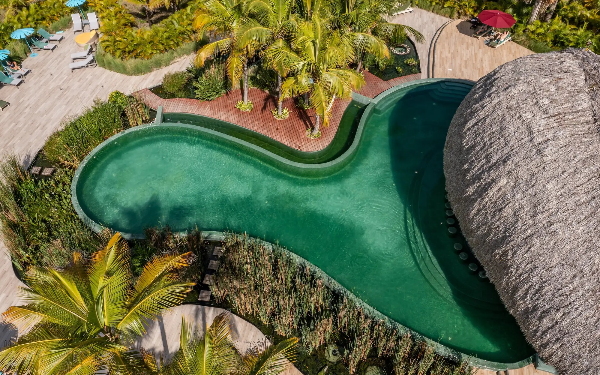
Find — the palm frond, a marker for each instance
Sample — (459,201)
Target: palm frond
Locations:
(211,49)
(272,361)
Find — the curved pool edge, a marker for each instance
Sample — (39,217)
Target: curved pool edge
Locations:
(339,161)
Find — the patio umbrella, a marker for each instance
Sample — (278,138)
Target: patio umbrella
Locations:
(22,34)
(76,3)
(4,54)
(497,19)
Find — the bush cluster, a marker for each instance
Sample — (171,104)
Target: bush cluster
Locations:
(269,284)
(175,83)
(211,84)
(122,40)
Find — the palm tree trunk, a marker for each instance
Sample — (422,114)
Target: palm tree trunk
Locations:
(317,126)
(245,82)
(279,103)
(359,67)
(550,11)
(535,11)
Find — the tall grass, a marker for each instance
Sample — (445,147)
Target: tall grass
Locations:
(37,220)
(69,146)
(62,24)
(135,67)
(272,286)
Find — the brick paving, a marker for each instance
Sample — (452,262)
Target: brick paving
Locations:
(291,131)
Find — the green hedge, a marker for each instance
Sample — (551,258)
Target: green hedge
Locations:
(133,67)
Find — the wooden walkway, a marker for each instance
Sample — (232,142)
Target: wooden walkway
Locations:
(459,55)
(51,94)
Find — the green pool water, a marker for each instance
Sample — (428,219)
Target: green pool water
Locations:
(376,224)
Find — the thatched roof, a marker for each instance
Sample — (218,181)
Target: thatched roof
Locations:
(522,166)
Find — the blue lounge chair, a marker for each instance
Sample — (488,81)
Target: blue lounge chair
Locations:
(38,44)
(47,37)
(498,43)
(5,80)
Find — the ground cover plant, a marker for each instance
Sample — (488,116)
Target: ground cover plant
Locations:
(269,285)
(542,25)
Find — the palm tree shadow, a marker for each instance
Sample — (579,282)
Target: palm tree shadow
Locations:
(8,334)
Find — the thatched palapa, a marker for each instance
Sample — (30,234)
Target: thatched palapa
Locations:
(522,166)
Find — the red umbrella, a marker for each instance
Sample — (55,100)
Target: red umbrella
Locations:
(497,19)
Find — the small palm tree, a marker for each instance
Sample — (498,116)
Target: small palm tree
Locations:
(82,319)
(272,25)
(223,20)
(215,354)
(323,72)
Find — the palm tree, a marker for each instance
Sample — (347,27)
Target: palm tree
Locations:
(273,25)
(370,32)
(323,71)
(83,318)
(223,20)
(215,354)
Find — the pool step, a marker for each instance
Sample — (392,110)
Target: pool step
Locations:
(453,92)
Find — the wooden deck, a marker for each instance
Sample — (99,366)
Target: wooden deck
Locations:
(51,94)
(459,55)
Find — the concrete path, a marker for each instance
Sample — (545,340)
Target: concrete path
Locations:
(52,93)
(162,337)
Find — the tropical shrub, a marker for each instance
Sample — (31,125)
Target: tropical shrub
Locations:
(211,84)
(268,284)
(122,40)
(175,83)
(134,67)
(70,145)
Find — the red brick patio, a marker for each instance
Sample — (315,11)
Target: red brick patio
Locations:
(291,132)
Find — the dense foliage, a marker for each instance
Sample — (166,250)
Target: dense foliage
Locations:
(211,84)
(84,318)
(542,25)
(122,39)
(294,300)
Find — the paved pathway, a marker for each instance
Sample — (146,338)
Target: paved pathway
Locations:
(51,94)
(162,337)
(459,55)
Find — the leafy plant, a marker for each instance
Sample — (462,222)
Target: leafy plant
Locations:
(175,83)
(285,113)
(119,99)
(83,318)
(212,84)
(244,106)
(215,353)
(136,111)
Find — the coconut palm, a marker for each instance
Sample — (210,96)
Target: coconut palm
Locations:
(214,353)
(272,25)
(223,20)
(323,71)
(83,318)
(369,30)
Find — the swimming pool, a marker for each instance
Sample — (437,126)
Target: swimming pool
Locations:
(374,218)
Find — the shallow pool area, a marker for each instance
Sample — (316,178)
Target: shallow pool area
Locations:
(375,220)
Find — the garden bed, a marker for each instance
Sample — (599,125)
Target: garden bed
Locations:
(401,63)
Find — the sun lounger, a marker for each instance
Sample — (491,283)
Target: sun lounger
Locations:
(3,105)
(11,71)
(47,37)
(483,32)
(77,24)
(89,61)
(38,44)
(94,25)
(498,43)
(9,81)
(407,10)
(82,55)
